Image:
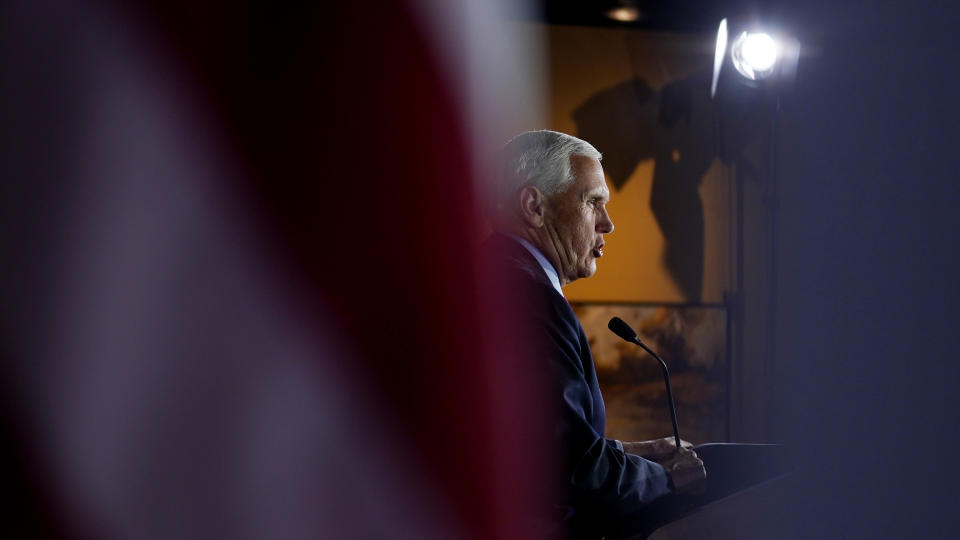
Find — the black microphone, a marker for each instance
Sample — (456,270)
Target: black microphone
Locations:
(622,329)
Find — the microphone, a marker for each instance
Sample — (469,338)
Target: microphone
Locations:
(622,329)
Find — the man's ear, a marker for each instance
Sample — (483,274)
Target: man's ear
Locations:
(532,206)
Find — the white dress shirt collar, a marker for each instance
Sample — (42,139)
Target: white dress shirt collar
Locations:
(544,263)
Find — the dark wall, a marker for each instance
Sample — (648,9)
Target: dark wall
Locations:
(868,265)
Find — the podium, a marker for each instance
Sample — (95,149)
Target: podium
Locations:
(746,484)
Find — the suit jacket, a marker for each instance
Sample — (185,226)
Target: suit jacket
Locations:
(605,488)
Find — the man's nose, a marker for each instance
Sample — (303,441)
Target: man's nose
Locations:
(605,226)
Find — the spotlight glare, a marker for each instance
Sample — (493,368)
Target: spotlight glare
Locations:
(718,55)
(754,54)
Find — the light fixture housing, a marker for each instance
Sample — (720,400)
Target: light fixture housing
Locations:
(764,55)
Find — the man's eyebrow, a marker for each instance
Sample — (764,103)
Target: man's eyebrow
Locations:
(598,194)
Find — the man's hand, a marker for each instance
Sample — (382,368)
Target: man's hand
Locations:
(656,450)
(686,471)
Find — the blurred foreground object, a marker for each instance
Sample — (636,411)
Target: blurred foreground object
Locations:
(199,204)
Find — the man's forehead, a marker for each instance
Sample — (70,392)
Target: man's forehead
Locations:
(586,166)
(593,182)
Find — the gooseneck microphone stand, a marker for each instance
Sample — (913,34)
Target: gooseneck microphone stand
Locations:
(622,329)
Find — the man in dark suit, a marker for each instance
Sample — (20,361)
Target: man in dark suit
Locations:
(549,219)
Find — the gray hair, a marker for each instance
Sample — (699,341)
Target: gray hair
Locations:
(542,159)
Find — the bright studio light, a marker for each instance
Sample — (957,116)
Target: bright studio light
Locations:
(754,54)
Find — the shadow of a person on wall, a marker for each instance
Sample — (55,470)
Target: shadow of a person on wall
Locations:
(677,127)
